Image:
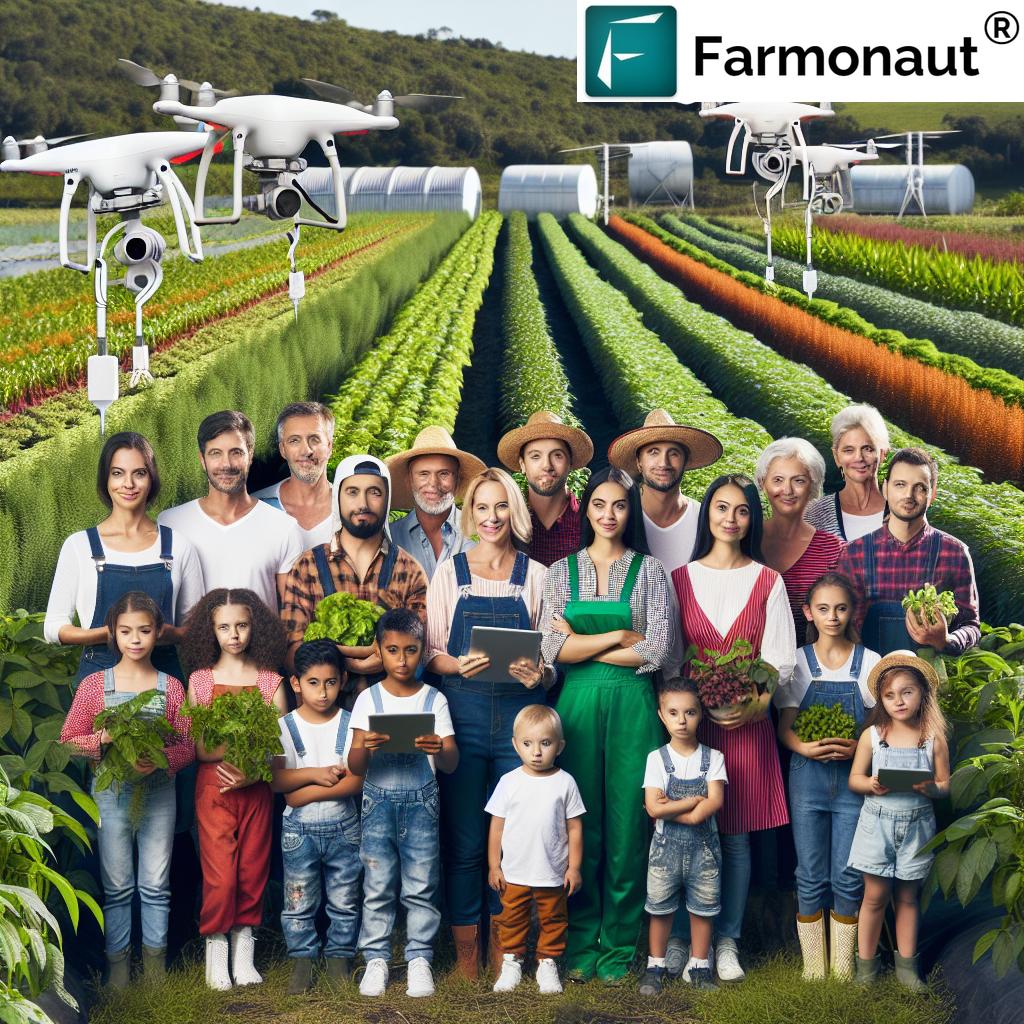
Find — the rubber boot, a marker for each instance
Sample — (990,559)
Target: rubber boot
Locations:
(842,945)
(810,929)
(154,963)
(907,974)
(495,953)
(119,969)
(243,948)
(867,971)
(302,976)
(218,976)
(337,969)
(467,950)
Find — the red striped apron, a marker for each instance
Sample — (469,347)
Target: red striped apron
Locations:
(754,797)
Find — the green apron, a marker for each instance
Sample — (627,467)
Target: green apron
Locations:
(611,724)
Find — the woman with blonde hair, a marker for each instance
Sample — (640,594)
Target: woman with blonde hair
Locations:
(492,584)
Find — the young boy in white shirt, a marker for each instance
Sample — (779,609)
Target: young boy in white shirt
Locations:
(535,848)
(320,827)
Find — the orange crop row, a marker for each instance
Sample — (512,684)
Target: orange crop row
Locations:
(973,424)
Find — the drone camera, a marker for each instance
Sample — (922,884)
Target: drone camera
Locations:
(773,162)
(139,245)
(281,202)
(140,276)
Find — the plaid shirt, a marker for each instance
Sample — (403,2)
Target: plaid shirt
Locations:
(903,566)
(562,540)
(303,591)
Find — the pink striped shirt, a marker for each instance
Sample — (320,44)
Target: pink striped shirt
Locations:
(819,557)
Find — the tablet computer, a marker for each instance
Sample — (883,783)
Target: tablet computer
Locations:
(403,730)
(903,780)
(503,646)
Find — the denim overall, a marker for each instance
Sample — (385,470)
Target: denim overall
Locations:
(823,809)
(400,843)
(116,840)
(885,628)
(322,836)
(482,714)
(323,569)
(893,828)
(685,857)
(112,582)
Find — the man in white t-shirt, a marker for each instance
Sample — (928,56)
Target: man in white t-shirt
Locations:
(659,453)
(305,436)
(241,542)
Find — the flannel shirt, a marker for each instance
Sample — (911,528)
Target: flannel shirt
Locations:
(563,539)
(902,566)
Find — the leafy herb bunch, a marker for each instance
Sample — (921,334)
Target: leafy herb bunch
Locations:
(927,602)
(345,619)
(732,677)
(819,722)
(245,725)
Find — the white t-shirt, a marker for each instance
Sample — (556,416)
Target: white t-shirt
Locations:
(74,583)
(311,538)
(392,705)
(683,767)
(535,840)
(790,695)
(319,740)
(673,545)
(250,553)
(859,526)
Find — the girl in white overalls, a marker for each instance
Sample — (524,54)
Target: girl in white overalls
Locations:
(906,730)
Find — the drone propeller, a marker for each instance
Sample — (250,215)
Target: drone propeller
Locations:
(414,100)
(937,133)
(866,142)
(149,78)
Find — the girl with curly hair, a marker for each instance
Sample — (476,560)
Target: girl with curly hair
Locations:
(233,642)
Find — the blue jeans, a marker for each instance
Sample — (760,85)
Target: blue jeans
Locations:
(309,848)
(735,886)
(824,814)
(116,843)
(482,714)
(400,844)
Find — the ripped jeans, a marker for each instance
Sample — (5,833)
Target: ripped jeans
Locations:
(309,849)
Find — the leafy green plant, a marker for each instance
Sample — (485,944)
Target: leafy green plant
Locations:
(819,722)
(345,619)
(927,603)
(245,725)
(730,677)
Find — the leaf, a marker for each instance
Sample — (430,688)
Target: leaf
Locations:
(87,900)
(946,865)
(21,727)
(1002,953)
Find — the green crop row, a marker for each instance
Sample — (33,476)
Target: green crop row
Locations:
(413,376)
(791,399)
(639,372)
(48,491)
(991,344)
(678,236)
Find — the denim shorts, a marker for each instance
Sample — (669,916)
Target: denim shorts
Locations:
(888,842)
(684,862)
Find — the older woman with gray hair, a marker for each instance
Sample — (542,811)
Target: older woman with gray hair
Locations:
(790,473)
(860,442)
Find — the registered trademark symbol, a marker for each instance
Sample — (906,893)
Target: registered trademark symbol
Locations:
(1001,27)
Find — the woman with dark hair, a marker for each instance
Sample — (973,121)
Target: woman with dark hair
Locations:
(726,594)
(606,623)
(125,552)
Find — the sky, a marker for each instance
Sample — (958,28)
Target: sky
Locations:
(538,26)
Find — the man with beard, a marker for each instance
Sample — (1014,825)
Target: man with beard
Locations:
(905,553)
(545,450)
(427,479)
(305,434)
(360,559)
(241,542)
(659,453)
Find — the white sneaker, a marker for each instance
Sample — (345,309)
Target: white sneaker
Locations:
(511,974)
(375,978)
(728,960)
(218,977)
(243,948)
(420,979)
(547,977)
(677,954)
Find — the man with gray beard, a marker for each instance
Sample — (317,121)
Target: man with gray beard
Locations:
(427,479)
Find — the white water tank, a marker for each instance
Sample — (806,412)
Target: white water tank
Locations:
(948,188)
(661,172)
(560,189)
(389,189)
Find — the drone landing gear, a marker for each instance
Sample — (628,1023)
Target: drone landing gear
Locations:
(766,219)
(296,280)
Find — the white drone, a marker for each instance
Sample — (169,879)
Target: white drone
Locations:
(268,134)
(127,174)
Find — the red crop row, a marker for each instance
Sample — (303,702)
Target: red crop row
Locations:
(975,425)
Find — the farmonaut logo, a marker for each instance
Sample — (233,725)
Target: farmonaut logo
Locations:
(630,51)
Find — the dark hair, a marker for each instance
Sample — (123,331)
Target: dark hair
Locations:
(834,579)
(677,684)
(750,544)
(319,652)
(268,640)
(137,443)
(218,423)
(400,620)
(303,409)
(914,457)
(634,536)
(132,601)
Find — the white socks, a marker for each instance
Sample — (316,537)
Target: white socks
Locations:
(655,961)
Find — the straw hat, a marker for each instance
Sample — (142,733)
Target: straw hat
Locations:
(429,441)
(545,425)
(702,448)
(902,659)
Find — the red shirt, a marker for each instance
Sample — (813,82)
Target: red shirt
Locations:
(562,540)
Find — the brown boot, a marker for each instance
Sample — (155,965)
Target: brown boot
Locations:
(467,950)
(495,953)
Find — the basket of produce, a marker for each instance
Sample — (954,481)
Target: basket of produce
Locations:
(728,682)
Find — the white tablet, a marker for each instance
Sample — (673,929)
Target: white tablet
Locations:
(503,646)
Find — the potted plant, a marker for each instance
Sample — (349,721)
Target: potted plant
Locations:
(728,682)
